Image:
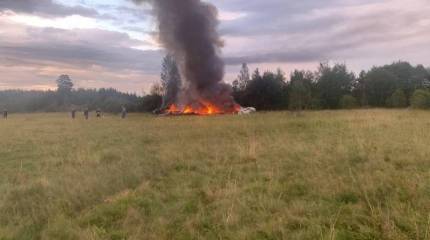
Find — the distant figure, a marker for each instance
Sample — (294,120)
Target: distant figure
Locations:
(5,113)
(86,113)
(123,112)
(73,113)
(98,113)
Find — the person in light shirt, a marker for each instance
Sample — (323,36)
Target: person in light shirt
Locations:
(123,112)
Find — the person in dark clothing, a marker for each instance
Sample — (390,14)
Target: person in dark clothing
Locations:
(98,113)
(5,113)
(73,113)
(86,113)
(123,112)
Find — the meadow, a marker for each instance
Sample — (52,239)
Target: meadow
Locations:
(361,174)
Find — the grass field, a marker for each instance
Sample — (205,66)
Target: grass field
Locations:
(361,174)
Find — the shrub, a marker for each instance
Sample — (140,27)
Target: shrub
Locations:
(398,99)
(420,99)
(348,102)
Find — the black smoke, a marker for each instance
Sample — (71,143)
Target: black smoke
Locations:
(188,31)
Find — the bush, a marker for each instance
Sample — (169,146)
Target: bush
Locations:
(421,99)
(398,99)
(348,102)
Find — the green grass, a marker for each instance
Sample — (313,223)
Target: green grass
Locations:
(322,175)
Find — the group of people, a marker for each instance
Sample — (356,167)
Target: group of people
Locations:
(86,113)
(98,113)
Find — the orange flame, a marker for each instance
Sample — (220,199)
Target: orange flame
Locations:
(205,108)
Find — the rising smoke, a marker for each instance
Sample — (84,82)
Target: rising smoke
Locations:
(188,31)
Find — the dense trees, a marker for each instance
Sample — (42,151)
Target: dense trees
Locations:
(379,85)
(304,90)
(382,82)
(66,98)
(300,90)
(265,91)
(109,100)
(398,99)
(333,83)
(421,99)
(348,102)
(397,85)
(334,86)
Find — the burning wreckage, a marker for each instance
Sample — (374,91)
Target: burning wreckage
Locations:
(188,32)
(205,110)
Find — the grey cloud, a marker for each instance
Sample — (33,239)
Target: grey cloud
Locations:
(297,34)
(45,7)
(274,17)
(79,48)
(125,15)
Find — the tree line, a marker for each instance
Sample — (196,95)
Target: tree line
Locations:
(66,98)
(397,85)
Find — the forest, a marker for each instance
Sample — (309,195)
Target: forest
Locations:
(331,86)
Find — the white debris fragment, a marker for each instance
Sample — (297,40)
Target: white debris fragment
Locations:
(247,110)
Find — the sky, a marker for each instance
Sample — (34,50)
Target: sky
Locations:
(112,43)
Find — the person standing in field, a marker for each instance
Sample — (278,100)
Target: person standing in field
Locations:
(5,113)
(73,113)
(123,112)
(86,113)
(98,113)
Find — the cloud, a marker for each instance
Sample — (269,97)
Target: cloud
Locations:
(45,8)
(271,33)
(303,31)
(78,47)
(31,57)
(42,77)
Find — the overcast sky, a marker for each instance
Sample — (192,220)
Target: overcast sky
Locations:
(110,43)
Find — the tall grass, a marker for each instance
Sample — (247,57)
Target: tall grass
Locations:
(361,174)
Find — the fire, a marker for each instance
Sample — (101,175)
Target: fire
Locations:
(204,108)
(188,110)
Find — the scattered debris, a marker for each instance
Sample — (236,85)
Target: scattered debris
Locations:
(247,110)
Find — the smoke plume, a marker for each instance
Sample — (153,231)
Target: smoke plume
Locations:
(188,31)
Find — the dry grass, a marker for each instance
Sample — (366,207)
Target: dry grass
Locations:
(322,175)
